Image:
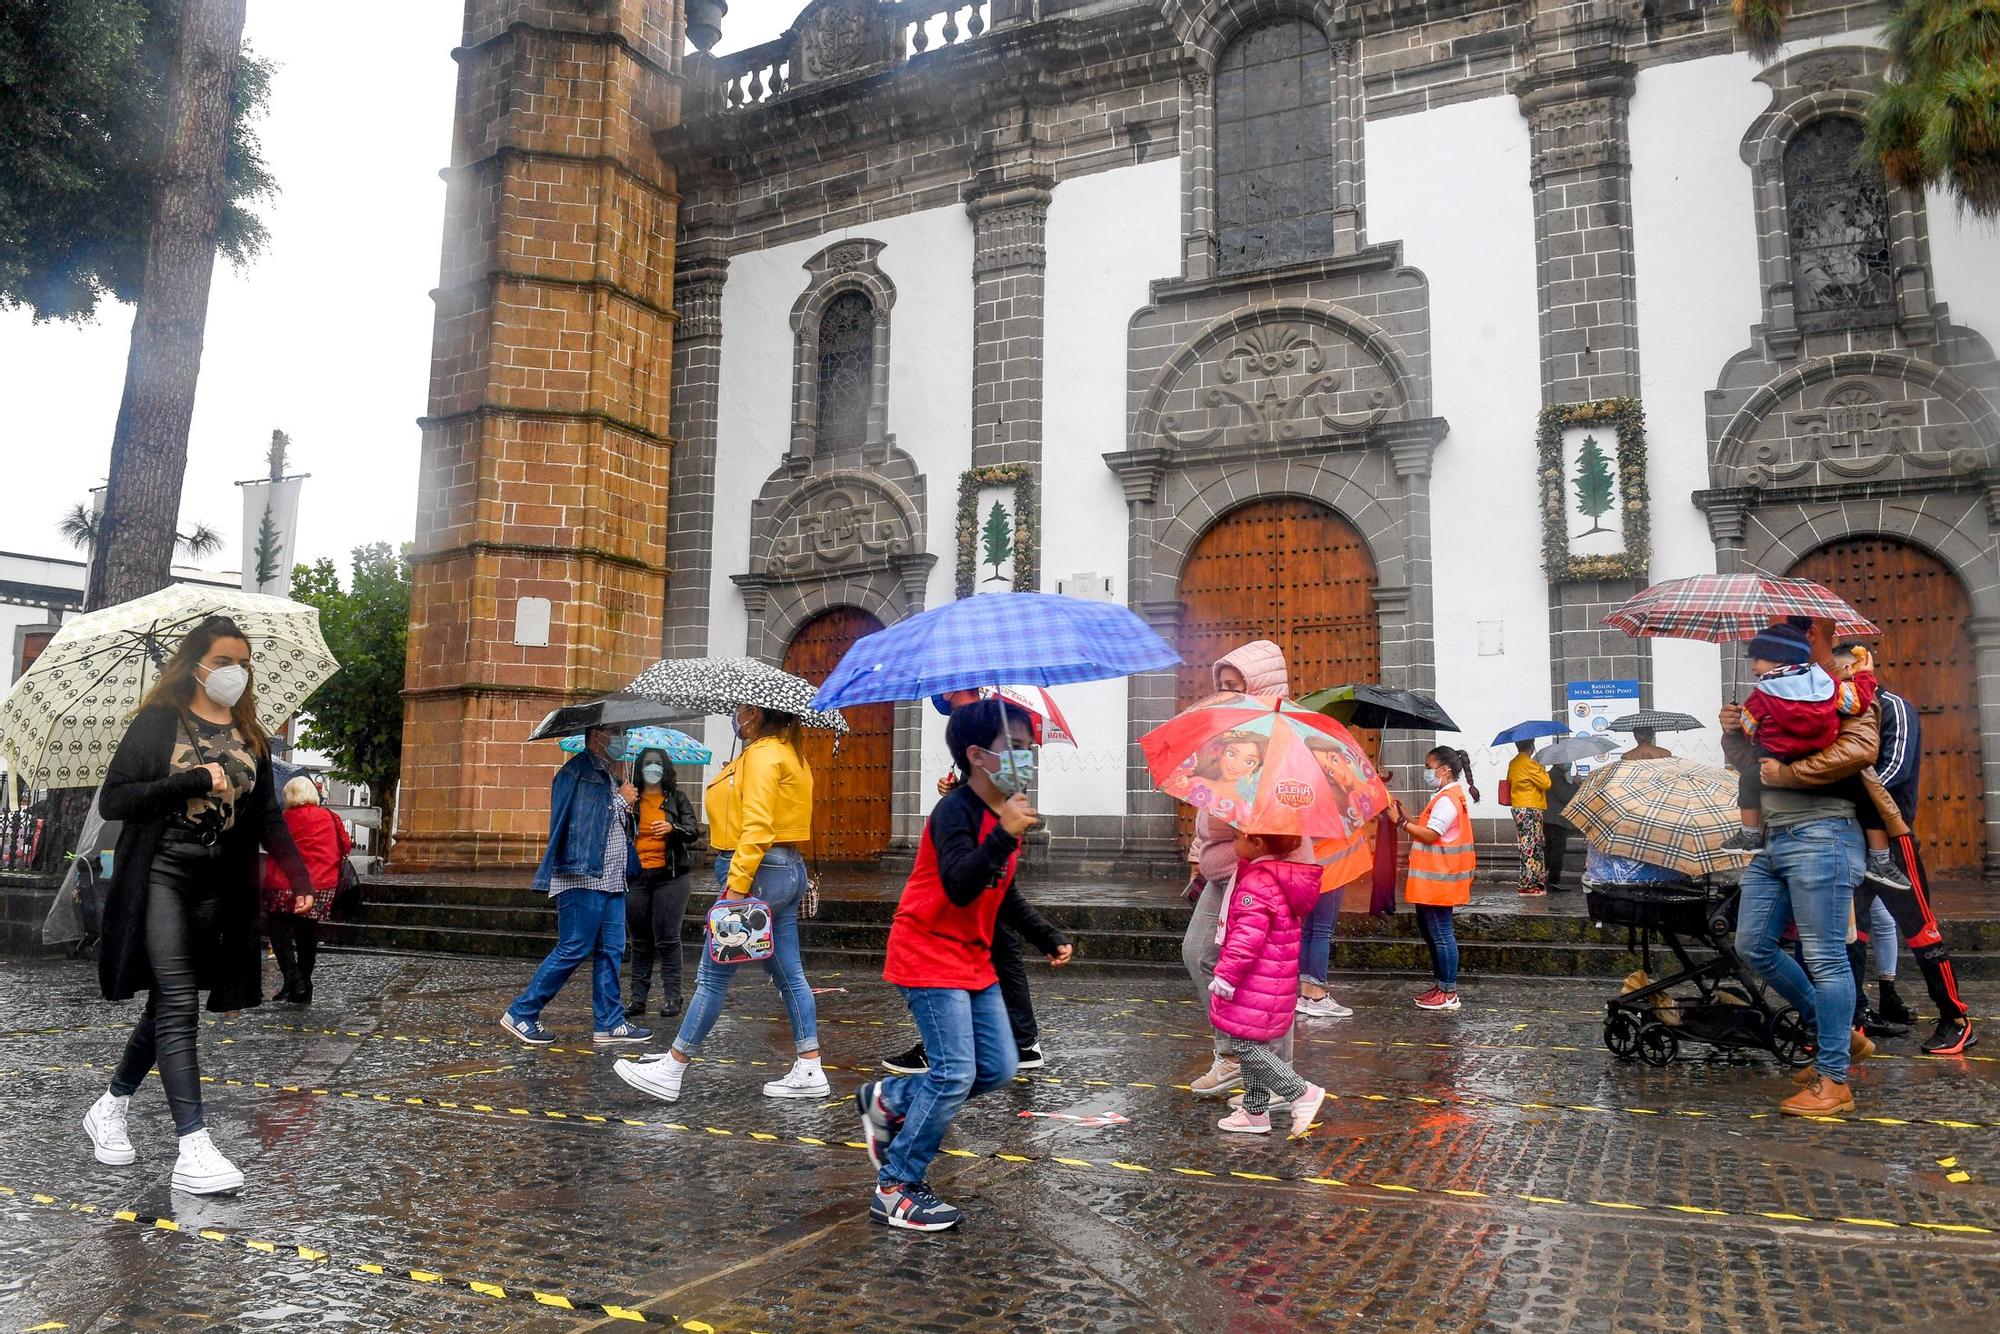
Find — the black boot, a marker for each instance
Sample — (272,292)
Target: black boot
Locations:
(288,961)
(308,945)
(1891,1006)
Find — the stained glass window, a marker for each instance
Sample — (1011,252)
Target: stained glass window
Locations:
(846,370)
(1274,146)
(1837,207)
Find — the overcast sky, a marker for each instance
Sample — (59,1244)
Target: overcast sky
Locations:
(327,335)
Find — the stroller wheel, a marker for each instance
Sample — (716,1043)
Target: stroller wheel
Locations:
(1791,1040)
(1657,1045)
(1621,1035)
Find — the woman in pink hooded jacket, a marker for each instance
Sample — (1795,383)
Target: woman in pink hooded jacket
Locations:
(1256,981)
(1257,668)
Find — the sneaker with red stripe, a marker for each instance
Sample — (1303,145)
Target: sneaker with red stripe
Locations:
(913,1208)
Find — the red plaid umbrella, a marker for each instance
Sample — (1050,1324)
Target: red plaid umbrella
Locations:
(1722,608)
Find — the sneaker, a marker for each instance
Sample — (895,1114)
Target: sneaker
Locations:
(624,1033)
(529,1031)
(1304,1108)
(1744,840)
(878,1124)
(1877,1025)
(1892,1008)
(105,1124)
(657,1076)
(912,1208)
(1240,1122)
(1221,1078)
(1437,998)
(1820,1097)
(801,1081)
(1887,876)
(1326,1007)
(911,1062)
(1952,1037)
(1031,1057)
(202,1170)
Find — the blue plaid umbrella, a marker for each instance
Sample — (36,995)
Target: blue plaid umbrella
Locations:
(1034,639)
(680,748)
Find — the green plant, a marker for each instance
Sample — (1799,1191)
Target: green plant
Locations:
(1627,420)
(357,716)
(999,538)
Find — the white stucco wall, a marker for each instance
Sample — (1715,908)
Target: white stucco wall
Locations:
(1965,266)
(1452,186)
(1109,235)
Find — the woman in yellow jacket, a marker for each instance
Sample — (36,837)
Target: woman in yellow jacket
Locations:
(759,821)
(1528,794)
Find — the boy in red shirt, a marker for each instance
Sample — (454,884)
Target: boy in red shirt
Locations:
(941,958)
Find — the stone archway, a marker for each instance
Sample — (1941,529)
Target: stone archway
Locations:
(1928,656)
(852,790)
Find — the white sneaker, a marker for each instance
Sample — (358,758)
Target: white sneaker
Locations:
(1326,1007)
(658,1076)
(105,1124)
(202,1170)
(801,1081)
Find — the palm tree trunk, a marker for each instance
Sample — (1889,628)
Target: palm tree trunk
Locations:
(149,445)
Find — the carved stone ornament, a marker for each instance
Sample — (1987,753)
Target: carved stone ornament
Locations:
(1823,75)
(1274,380)
(1577,136)
(836,522)
(1856,430)
(839,38)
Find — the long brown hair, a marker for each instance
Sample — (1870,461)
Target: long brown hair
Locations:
(175,687)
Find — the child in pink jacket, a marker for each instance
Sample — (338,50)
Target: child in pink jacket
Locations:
(1256,980)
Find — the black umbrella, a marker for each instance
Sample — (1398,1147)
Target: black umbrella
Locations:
(1380,706)
(618,711)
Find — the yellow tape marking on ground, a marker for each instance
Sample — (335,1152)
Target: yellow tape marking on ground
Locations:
(555,1299)
(487,1289)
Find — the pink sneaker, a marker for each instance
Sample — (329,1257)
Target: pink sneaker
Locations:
(1304,1108)
(1240,1122)
(1435,999)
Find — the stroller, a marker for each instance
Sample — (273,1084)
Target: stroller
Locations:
(1715,1001)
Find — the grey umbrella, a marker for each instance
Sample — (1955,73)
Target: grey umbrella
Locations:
(1573,748)
(720,685)
(1653,720)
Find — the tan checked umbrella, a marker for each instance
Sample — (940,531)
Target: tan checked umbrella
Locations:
(1673,813)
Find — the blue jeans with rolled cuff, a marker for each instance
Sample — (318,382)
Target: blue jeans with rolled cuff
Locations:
(970,1046)
(590,924)
(781,882)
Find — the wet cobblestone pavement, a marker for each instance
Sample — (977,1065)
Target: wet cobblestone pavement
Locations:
(411,1167)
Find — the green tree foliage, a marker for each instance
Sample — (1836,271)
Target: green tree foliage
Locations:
(269,548)
(1593,486)
(999,537)
(83,88)
(356,718)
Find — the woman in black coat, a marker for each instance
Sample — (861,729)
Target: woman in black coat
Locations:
(192,783)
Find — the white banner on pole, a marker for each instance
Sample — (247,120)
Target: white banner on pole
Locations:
(270,522)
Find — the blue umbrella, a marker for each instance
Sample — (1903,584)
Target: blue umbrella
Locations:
(1032,639)
(679,746)
(1529,730)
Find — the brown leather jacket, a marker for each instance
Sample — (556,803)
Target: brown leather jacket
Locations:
(1852,753)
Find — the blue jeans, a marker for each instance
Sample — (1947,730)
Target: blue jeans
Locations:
(1317,950)
(590,924)
(1806,874)
(780,882)
(1442,937)
(971,1050)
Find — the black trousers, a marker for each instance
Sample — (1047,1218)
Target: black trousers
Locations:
(1558,836)
(295,940)
(654,906)
(182,901)
(1012,966)
(1919,927)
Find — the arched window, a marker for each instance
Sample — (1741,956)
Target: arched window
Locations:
(846,370)
(1274,184)
(1837,211)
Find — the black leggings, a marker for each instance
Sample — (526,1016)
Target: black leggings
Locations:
(295,940)
(182,901)
(654,906)
(1012,967)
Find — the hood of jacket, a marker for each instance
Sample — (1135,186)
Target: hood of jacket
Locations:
(1299,881)
(1263,666)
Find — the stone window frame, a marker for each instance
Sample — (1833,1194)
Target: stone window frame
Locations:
(1830,81)
(1207,28)
(849,265)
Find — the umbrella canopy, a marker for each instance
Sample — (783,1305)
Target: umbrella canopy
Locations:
(1528,731)
(1380,706)
(1036,639)
(1051,728)
(1268,766)
(1722,608)
(1654,720)
(721,685)
(1672,813)
(65,716)
(1573,748)
(680,748)
(610,711)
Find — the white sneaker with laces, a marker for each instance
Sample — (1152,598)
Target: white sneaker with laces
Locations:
(803,1080)
(105,1124)
(202,1170)
(657,1076)
(1326,1007)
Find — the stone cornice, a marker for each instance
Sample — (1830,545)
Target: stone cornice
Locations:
(596,416)
(1387,255)
(539,551)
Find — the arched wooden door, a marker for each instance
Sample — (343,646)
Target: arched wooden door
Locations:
(1927,657)
(1287,570)
(851,790)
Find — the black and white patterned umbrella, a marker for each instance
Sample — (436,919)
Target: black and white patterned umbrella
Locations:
(66,714)
(720,685)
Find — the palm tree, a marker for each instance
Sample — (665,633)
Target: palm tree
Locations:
(79,528)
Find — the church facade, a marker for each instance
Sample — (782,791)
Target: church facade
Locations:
(1412,334)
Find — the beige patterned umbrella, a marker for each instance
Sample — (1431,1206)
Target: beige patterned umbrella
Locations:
(1673,813)
(65,716)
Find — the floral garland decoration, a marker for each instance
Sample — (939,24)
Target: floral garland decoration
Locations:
(1628,419)
(1027,552)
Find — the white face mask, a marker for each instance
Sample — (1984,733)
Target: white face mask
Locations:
(1435,777)
(652,773)
(225,685)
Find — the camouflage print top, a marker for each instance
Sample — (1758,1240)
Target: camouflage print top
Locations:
(201,742)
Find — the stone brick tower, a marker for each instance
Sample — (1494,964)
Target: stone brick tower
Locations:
(540,566)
